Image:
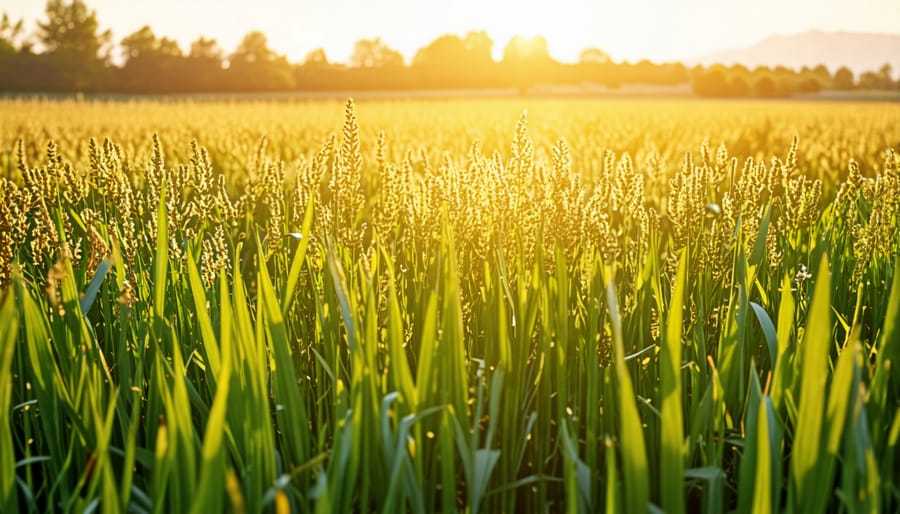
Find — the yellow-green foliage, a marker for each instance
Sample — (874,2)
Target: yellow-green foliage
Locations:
(449,305)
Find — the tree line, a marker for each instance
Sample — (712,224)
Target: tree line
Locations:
(763,81)
(69,52)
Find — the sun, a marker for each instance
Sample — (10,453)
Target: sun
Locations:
(559,27)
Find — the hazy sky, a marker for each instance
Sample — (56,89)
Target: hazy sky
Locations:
(627,29)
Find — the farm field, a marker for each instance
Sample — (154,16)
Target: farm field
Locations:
(505,305)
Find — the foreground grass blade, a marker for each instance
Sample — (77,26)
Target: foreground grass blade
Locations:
(161,263)
(292,416)
(631,430)
(885,388)
(299,258)
(671,468)
(807,458)
(577,476)
(210,344)
(782,379)
(768,328)
(9,332)
(91,294)
(211,485)
(762,492)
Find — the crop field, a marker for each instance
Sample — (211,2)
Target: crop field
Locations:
(449,306)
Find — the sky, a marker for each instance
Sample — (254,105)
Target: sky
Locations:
(659,30)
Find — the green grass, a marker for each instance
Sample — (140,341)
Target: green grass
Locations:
(642,359)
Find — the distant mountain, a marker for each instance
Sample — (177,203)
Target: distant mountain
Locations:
(856,50)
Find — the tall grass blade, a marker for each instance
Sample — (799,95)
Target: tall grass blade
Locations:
(297,262)
(94,287)
(762,492)
(292,417)
(807,457)
(9,333)
(631,430)
(672,455)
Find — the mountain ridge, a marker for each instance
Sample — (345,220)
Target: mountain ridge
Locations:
(858,51)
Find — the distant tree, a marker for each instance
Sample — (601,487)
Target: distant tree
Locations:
(447,50)
(527,61)
(738,86)
(73,41)
(765,86)
(374,53)
(821,75)
(479,48)
(317,73)
(255,67)
(169,47)
(870,80)
(644,72)
(442,63)
(808,84)
(10,35)
(593,56)
(785,81)
(594,66)
(206,48)
(843,78)
(142,42)
(783,70)
(316,58)
(884,76)
(452,61)
(253,48)
(71,28)
(711,82)
(738,69)
(527,51)
(15,56)
(674,73)
(205,63)
(154,65)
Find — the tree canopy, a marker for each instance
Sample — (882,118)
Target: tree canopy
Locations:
(374,53)
(72,40)
(256,67)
